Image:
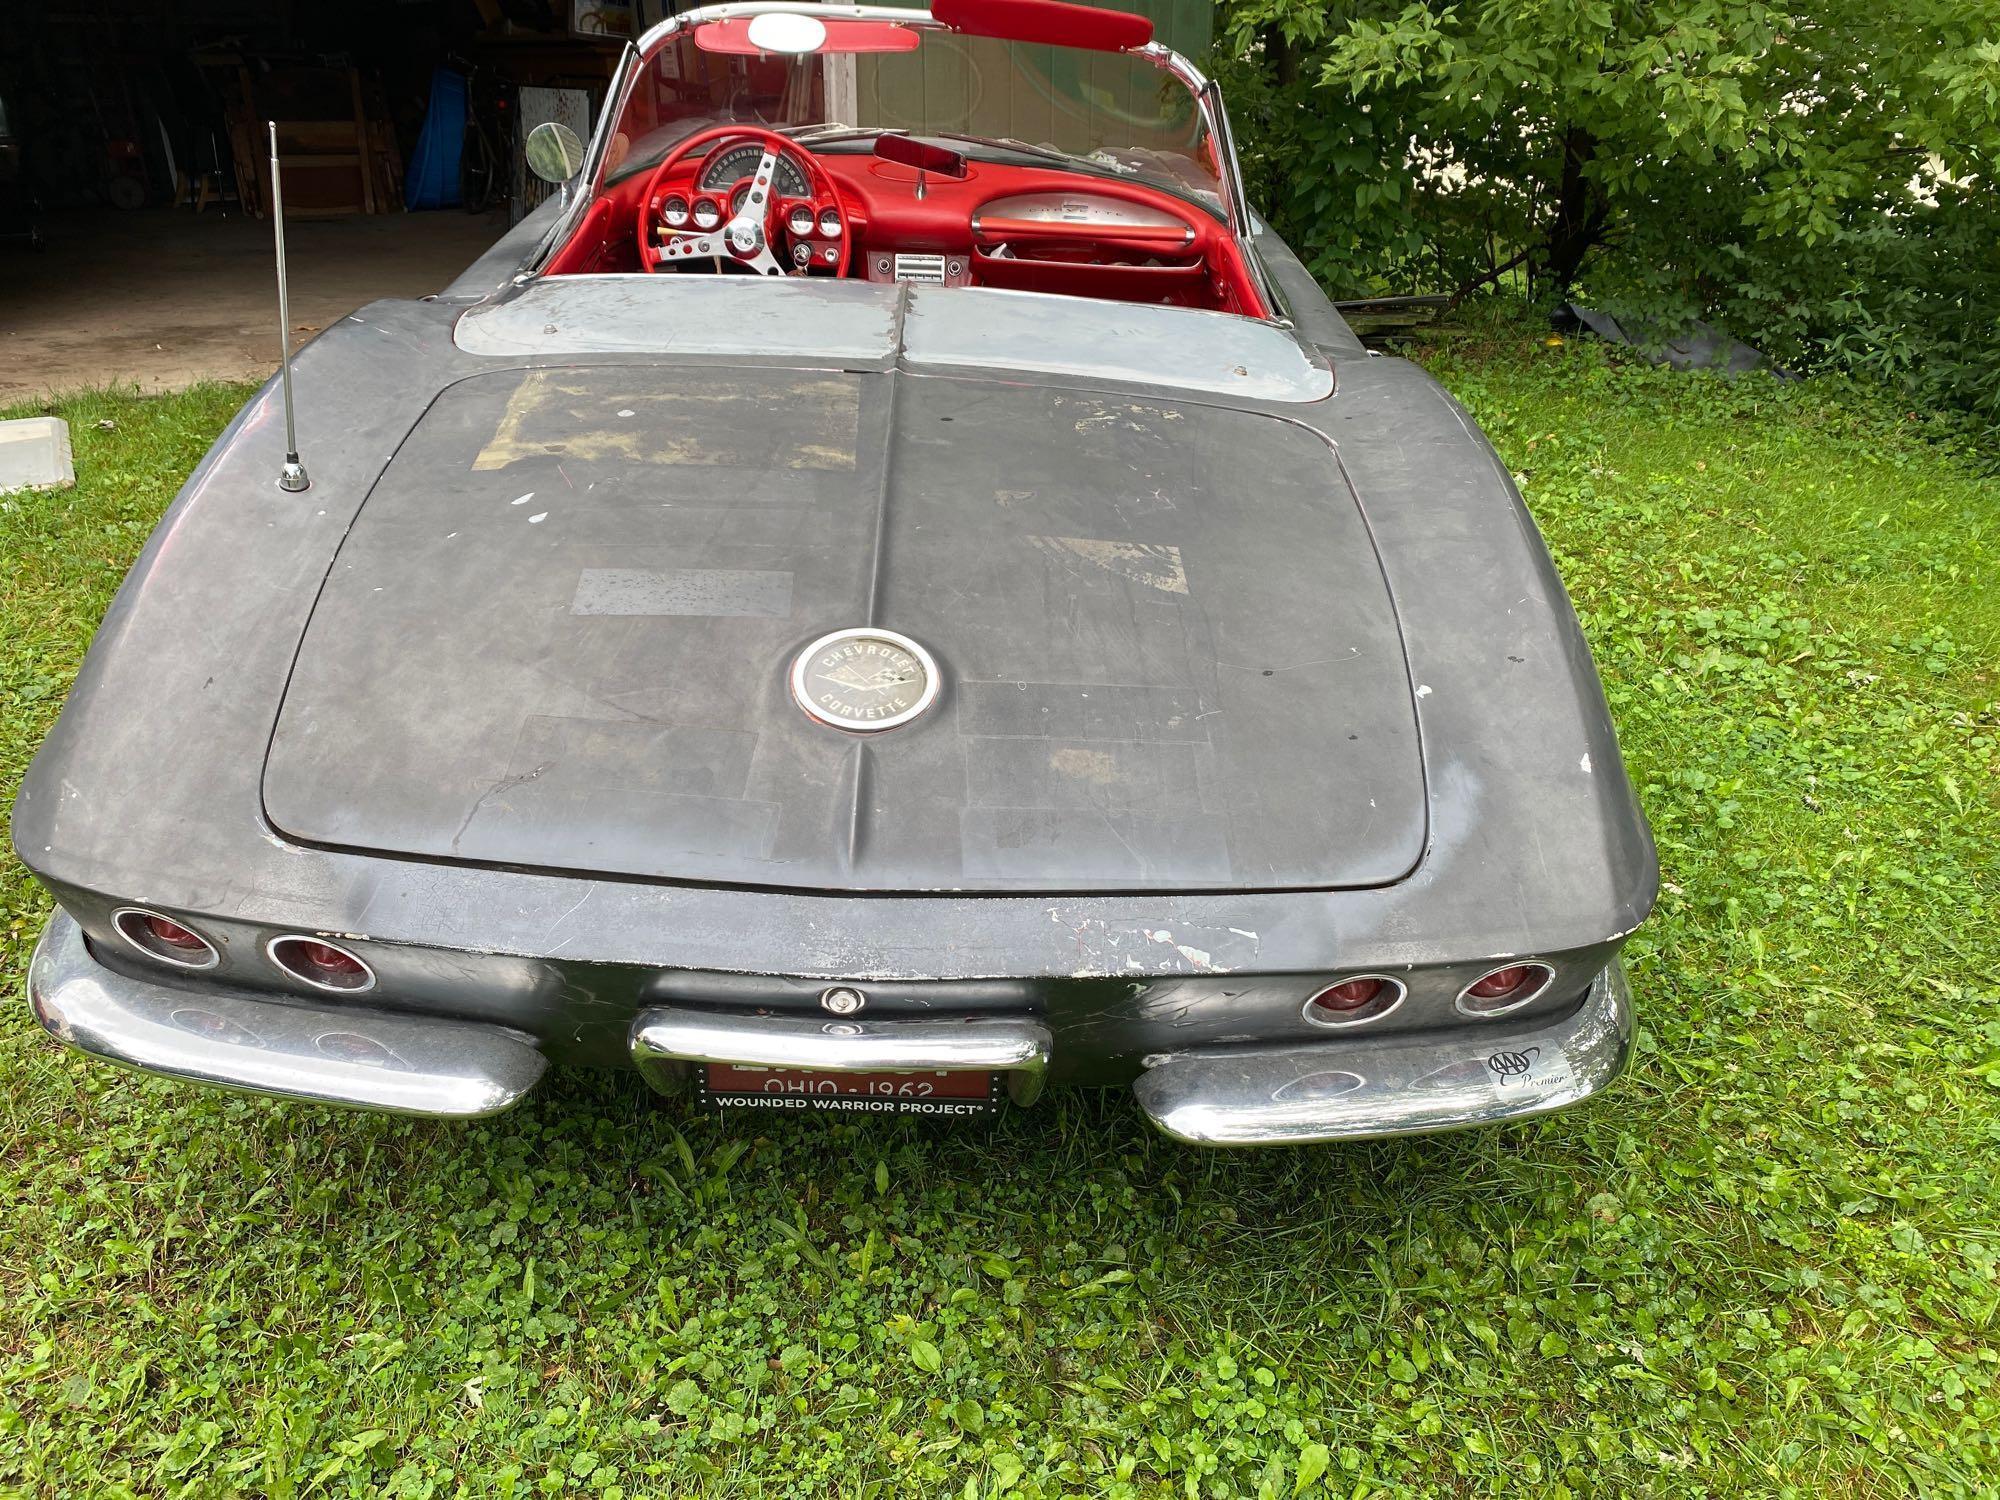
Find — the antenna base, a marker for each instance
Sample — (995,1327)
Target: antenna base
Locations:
(292,478)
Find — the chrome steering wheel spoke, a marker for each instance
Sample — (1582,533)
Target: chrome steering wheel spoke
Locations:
(748,231)
(675,247)
(757,202)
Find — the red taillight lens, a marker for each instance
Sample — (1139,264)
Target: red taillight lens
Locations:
(174,935)
(1503,982)
(331,963)
(1352,1001)
(1350,995)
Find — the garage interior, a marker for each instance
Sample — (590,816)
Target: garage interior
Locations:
(135,247)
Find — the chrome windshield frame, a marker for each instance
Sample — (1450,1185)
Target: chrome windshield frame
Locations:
(1206,95)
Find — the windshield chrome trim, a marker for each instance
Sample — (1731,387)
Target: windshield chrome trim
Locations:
(1207,98)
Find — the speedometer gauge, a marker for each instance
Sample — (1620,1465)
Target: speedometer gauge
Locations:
(740,163)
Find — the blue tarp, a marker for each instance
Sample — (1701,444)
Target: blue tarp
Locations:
(432,181)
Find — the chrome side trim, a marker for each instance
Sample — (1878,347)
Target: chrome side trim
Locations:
(666,1040)
(234,1039)
(1382,1086)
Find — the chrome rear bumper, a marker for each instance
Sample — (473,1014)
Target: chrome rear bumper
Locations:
(1289,1094)
(1397,1085)
(666,1041)
(237,1039)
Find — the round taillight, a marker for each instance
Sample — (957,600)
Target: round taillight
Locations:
(323,965)
(1361,998)
(1504,989)
(163,938)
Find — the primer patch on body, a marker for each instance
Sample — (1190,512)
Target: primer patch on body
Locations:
(559,414)
(683,591)
(1157,567)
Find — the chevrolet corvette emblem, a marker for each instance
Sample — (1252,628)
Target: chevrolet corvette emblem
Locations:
(864,680)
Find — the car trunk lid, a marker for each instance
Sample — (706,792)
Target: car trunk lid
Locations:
(560,636)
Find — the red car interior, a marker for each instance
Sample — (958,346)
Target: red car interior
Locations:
(1085,236)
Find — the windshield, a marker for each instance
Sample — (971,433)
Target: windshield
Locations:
(1110,113)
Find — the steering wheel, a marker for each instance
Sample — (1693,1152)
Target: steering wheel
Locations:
(747,236)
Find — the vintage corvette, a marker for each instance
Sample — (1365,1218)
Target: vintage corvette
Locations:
(893,588)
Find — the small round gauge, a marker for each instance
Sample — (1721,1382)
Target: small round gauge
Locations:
(707,213)
(740,163)
(674,212)
(800,220)
(829,223)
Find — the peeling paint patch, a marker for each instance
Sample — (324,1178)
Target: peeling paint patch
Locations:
(538,517)
(1423,690)
(1195,956)
(1586,763)
(524,499)
(1155,566)
(1118,416)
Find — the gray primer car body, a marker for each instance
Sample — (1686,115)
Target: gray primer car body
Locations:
(1256,674)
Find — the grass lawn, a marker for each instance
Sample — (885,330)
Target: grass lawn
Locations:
(1764,1265)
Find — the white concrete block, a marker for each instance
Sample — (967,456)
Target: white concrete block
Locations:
(34,455)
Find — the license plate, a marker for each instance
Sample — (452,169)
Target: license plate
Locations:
(945,1096)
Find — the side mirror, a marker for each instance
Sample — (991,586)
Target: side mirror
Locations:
(554,153)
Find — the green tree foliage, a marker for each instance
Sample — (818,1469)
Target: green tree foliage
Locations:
(1815,176)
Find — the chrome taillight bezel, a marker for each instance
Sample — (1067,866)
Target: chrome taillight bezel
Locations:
(1395,990)
(1469,1004)
(126,919)
(301,970)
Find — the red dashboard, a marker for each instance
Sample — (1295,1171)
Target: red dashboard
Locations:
(1027,228)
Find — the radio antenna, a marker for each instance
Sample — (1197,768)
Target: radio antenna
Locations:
(292,478)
